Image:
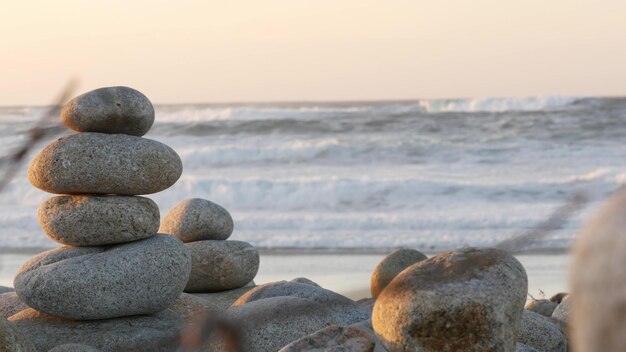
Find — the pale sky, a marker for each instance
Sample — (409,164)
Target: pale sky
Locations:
(283,50)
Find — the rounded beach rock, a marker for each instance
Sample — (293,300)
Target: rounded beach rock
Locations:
(197,220)
(598,282)
(562,311)
(346,310)
(109,110)
(14,340)
(538,332)
(97,163)
(269,324)
(542,306)
(468,299)
(159,332)
(221,265)
(334,338)
(83,283)
(391,266)
(98,220)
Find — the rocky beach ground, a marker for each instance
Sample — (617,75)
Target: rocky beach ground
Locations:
(127,279)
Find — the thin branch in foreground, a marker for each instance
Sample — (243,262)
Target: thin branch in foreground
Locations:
(560,216)
(206,328)
(44,127)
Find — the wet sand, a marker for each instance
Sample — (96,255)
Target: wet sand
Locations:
(344,271)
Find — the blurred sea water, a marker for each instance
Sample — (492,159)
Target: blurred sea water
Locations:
(429,174)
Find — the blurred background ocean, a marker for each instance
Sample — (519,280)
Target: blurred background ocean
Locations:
(429,174)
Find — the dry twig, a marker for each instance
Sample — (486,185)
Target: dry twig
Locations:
(562,214)
(46,126)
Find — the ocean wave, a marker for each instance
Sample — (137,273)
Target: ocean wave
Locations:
(494,104)
(191,114)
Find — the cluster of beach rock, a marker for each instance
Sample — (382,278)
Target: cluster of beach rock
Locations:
(115,275)
(116,284)
(217,263)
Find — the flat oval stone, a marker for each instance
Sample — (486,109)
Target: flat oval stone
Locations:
(97,163)
(197,220)
(98,220)
(159,332)
(84,283)
(109,110)
(221,265)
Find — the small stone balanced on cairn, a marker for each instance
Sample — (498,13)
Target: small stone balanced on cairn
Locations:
(113,264)
(217,264)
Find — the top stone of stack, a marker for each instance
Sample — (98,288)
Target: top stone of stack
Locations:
(109,110)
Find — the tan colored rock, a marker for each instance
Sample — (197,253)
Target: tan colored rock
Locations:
(598,282)
(391,266)
(464,300)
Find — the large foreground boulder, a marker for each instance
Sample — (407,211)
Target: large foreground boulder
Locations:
(463,300)
(143,333)
(345,309)
(98,163)
(140,277)
(598,282)
(269,324)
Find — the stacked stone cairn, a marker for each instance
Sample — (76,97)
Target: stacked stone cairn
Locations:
(218,264)
(113,263)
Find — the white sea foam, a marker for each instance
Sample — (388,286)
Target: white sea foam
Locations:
(373,174)
(493,104)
